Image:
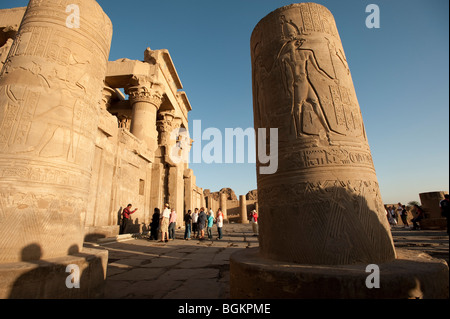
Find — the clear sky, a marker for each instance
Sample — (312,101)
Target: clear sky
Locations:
(400,72)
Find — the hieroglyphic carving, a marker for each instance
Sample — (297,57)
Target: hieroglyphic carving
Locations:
(309,56)
(328,157)
(45,175)
(315,191)
(294,61)
(325,192)
(50,94)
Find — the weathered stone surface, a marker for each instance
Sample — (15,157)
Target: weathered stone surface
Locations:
(323,204)
(229,194)
(412,275)
(433,216)
(46,279)
(50,94)
(252,195)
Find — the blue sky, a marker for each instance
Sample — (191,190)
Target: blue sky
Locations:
(400,72)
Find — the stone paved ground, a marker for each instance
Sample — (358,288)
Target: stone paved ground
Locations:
(199,269)
(194,269)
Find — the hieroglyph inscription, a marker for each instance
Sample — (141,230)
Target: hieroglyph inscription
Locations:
(317,191)
(328,157)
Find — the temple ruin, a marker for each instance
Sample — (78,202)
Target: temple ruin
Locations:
(81,137)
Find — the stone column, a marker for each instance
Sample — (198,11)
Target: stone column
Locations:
(433,217)
(50,96)
(145,102)
(325,188)
(243,209)
(107,95)
(168,127)
(430,203)
(223,204)
(322,206)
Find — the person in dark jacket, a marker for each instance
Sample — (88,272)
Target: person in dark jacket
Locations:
(154,225)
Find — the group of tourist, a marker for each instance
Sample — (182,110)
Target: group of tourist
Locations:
(392,214)
(163,225)
(199,223)
(196,222)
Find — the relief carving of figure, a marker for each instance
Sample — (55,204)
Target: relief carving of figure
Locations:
(296,62)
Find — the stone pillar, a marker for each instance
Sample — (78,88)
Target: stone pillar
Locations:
(50,96)
(243,209)
(430,203)
(433,217)
(322,206)
(107,95)
(325,186)
(168,127)
(223,204)
(145,102)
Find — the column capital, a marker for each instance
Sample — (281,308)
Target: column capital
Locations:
(168,121)
(142,93)
(107,95)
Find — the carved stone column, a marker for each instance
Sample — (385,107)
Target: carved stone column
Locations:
(145,102)
(223,204)
(168,128)
(107,94)
(50,93)
(325,186)
(321,216)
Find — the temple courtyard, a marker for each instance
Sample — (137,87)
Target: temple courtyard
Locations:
(199,269)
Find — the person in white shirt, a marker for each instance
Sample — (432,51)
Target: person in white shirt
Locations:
(219,223)
(165,223)
(194,223)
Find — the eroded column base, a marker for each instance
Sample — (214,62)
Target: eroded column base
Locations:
(46,279)
(412,275)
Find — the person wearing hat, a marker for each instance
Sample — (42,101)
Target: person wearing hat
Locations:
(254,219)
(164,222)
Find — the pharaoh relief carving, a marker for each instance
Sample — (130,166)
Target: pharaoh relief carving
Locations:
(295,63)
(310,63)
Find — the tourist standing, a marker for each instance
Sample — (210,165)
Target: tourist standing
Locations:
(201,222)
(390,217)
(154,225)
(394,214)
(164,222)
(210,223)
(254,220)
(445,209)
(419,217)
(404,216)
(172,224)
(195,223)
(187,225)
(219,223)
(399,210)
(126,216)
